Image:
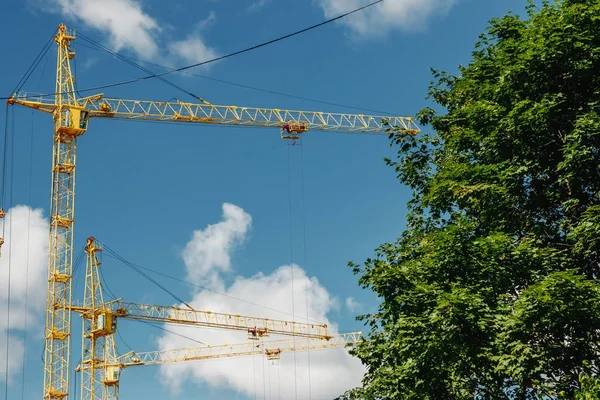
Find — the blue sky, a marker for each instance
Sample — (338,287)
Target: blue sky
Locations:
(143,189)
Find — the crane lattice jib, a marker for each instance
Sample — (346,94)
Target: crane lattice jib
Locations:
(236,350)
(257,327)
(145,110)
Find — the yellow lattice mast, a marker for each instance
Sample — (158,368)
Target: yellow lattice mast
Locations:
(68,125)
(70,121)
(110,370)
(98,327)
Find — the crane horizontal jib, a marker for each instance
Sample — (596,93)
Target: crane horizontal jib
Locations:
(256,327)
(235,350)
(177,111)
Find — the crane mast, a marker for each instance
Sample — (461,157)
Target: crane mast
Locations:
(68,126)
(71,116)
(98,345)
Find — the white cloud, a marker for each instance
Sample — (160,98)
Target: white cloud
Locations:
(192,50)
(207,22)
(332,371)
(207,253)
(27,226)
(352,304)
(257,5)
(126,24)
(129,27)
(15,357)
(386,16)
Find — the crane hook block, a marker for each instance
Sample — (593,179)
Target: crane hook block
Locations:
(2,213)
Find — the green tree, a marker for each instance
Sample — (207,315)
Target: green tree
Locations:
(492,290)
(590,388)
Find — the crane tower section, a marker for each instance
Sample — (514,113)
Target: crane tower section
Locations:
(70,122)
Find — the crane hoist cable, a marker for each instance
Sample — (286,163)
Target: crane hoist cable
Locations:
(3,184)
(303,208)
(279,380)
(270,385)
(292,264)
(264,378)
(11,136)
(254,369)
(229,55)
(123,340)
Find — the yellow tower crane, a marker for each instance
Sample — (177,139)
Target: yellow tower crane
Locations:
(71,116)
(100,365)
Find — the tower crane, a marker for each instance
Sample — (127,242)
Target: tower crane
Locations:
(100,366)
(71,116)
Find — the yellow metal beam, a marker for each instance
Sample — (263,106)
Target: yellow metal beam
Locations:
(145,110)
(270,348)
(254,326)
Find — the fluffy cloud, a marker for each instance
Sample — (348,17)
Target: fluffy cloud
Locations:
(386,16)
(126,24)
(352,305)
(332,371)
(207,253)
(192,50)
(24,228)
(257,5)
(129,27)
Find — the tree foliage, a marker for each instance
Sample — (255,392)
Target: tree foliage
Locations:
(590,388)
(492,290)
